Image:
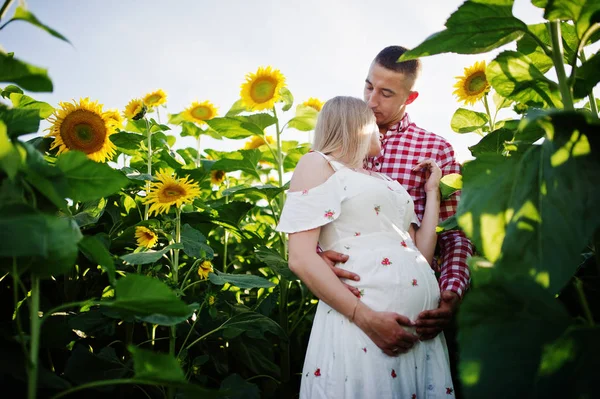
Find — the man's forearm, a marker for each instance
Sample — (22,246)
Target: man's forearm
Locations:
(455,249)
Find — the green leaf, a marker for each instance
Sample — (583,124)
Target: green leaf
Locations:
(163,320)
(514,76)
(90,212)
(447,225)
(47,244)
(150,256)
(10,157)
(143,295)
(531,49)
(450,184)
(252,323)
(22,14)
(467,121)
(553,204)
(236,109)
(583,12)
(89,180)
(267,191)
(8,90)
(287,97)
(305,119)
(126,141)
(156,366)
(19,121)
(27,76)
(244,160)
(239,280)
(502,328)
(22,101)
(276,262)
(84,366)
(235,387)
(238,127)
(476,27)
(95,251)
(587,77)
(194,243)
(492,143)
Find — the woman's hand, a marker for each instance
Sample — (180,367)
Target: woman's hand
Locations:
(433,174)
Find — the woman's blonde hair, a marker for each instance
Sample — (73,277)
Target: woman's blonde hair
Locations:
(344,126)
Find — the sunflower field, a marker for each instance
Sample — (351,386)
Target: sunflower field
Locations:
(132,267)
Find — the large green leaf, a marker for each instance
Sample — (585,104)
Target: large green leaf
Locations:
(482,210)
(503,326)
(267,191)
(244,160)
(150,256)
(587,76)
(252,323)
(287,97)
(127,141)
(90,212)
(27,76)
(84,366)
(22,14)
(467,121)
(156,366)
(237,108)
(476,27)
(529,47)
(450,184)
(583,13)
(143,295)
(240,280)
(554,201)
(237,127)
(493,142)
(89,180)
(21,101)
(19,121)
(194,243)
(95,250)
(305,118)
(276,262)
(235,387)
(10,156)
(513,75)
(45,244)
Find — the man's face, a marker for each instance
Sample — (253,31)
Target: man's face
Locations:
(387,93)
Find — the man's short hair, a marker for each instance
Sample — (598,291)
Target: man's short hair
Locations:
(388,58)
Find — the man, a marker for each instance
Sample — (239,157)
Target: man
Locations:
(388,90)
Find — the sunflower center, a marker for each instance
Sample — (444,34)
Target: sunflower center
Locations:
(263,89)
(171,193)
(202,113)
(476,83)
(83,130)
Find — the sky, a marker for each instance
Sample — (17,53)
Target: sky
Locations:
(202,50)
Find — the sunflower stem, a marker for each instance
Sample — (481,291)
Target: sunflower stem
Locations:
(34,307)
(489,114)
(226,235)
(283,282)
(593,106)
(198,157)
(191,330)
(5,8)
(15,276)
(149,170)
(173,329)
(557,58)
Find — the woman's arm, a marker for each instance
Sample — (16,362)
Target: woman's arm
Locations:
(425,236)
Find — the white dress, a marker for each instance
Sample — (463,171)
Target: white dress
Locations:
(368,218)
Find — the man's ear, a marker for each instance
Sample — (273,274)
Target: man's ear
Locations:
(412,96)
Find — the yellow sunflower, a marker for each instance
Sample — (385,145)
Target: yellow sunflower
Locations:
(473,85)
(200,112)
(115,118)
(145,237)
(169,191)
(205,268)
(211,300)
(257,141)
(135,110)
(155,98)
(82,127)
(217,177)
(261,89)
(314,103)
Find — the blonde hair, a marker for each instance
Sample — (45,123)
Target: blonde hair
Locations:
(345,125)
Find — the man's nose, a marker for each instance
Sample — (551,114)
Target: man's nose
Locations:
(372,100)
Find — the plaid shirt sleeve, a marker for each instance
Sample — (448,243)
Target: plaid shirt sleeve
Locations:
(455,247)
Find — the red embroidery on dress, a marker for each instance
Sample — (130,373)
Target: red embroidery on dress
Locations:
(357,234)
(361,293)
(414,396)
(391,189)
(403,243)
(364,350)
(394,373)
(317,372)
(329,214)
(414,282)
(304,192)
(386,262)
(449,391)
(377,209)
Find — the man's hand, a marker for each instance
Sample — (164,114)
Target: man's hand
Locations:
(331,258)
(431,322)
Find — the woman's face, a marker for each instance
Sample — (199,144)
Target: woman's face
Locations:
(375,144)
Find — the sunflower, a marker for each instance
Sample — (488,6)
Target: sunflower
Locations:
(473,85)
(155,98)
(205,268)
(257,141)
(115,118)
(314,103)
(145,237)
(217,177)
(82,127)
(200,112)
(261,89)
(211,300)
(169,191)
(135,110)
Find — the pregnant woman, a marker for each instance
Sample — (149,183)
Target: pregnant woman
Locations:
(365,347)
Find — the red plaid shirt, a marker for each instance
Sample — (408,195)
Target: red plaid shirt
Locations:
(402,147)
